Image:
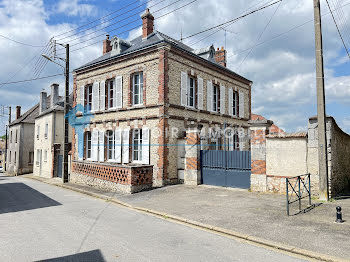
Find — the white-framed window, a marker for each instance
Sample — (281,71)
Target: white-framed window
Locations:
(234,103)
(110,145)
(38,156)
(110,93)
(137,88)
(191,93)
(45,155)
(216,91)
(16,137)
(46,130)
(15,157)
(88,144)
(10,157)
(37,132)
(88,94)
(137,145)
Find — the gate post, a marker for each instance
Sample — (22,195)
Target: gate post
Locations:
(192,173)
(258,131)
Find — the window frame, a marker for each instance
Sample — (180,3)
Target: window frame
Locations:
(88,98)
(110,145)
(45,155)
(110,96)
(140,88)
(235,103)
(215,102)
(189,87)
(88,149)
(137,131)
(38,132)
(46,134)
(16,141)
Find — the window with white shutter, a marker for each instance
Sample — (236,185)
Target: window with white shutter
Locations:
(222,100)
(230,102)
(95,97)
(125,145)
(101,146)
(89,98)
(200,93)
(183,89)
(110,145)
(88,146)
(137,88)
(191,90)
(145,145)
(82,95)
(209,96)
(241,104)
(215,98)
(118,145)
(94,145)
(119,92)
(137,145)
(102,106)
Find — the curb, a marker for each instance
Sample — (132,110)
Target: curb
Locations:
(248,238)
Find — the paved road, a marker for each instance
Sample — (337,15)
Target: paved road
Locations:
(44,222)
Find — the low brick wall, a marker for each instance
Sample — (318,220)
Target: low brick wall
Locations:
(112,177)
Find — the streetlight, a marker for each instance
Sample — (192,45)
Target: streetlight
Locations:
(66,104)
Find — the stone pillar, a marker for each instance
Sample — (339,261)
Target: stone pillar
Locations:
(258,131)
(192,173)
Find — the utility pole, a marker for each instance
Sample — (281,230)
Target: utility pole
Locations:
(66,127)
(321,106)
(66,102)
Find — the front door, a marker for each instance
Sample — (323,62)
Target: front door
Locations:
(59,166)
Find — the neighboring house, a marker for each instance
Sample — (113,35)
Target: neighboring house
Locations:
(20,151)
(141,97)
(273,128)
(49,135)
(2,152)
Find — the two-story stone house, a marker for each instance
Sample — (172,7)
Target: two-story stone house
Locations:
(49,135)
(140,97)
(20,150)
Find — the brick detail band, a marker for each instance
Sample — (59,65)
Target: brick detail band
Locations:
(117,174)
(259,167)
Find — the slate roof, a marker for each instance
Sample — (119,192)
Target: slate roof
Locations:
(153,39)
(58,107)
(27,117)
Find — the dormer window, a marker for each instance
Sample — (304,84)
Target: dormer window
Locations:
(119,45)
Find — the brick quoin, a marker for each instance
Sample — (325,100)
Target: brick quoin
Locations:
(259,167)
(192,163)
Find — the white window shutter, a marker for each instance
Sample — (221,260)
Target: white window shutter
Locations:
(102,95)
(95,96)
(200,93)
(183,88)
(209,96)
(145,145)
(101,146)
(94,145)
(82,95)
(118,92)
(125,145)
(241,104)
(230,101)
(222,100)
(118,145)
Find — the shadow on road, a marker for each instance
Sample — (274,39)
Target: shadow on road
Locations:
(15,197)
(89,256)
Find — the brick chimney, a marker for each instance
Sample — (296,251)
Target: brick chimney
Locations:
(18,112)
(54,94)
(107,45)
(220,56)
(147,24)
(43,101)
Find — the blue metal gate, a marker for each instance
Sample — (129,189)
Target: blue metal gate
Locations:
(226,168)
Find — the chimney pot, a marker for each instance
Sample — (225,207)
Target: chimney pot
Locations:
(43,101)
(18,112)
(107,45)
(220,56)
(54,94)
(147,24)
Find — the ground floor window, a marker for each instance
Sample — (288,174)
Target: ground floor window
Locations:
(110,145)
(88,144)
(38,157)
(137,145)
(31,158)
(15,157)
(45,155)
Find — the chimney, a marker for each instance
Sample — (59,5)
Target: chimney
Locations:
(54,94)
(147,24)
(220,56)
(107,45)
(43,100)
(18,112)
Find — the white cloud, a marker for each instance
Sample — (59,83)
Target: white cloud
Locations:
(75,8)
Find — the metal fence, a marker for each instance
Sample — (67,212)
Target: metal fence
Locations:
(300,187)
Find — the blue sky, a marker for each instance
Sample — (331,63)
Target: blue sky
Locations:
(282,69)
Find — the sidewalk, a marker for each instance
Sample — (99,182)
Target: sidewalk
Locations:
(251,215)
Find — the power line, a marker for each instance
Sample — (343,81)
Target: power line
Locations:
(21,43)
(263,31)
(232,20)
(335,22)
(28,80)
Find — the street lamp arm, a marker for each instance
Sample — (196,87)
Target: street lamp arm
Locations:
(49,58)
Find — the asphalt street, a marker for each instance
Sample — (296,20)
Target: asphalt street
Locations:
(41,222)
